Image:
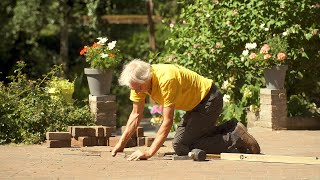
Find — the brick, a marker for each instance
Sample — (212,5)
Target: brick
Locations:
(93,141)
(113,140)
(141,141)
(102,98)
(84,141)
(138,133)
(272,91)
(101,106)
(78,131)
(103,120)
(149,141)
(132,142)
(58,143)
(58,136)
(99,131)
(74,142)
(107,131)
(101,141)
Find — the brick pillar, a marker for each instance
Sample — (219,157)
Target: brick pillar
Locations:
(273,109)
(104,109)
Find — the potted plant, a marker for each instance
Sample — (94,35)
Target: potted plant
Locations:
(271,57)
(102,57)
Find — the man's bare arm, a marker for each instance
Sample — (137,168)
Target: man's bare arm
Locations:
(132,124)
(168,113)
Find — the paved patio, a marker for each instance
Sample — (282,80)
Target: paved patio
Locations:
(40,162)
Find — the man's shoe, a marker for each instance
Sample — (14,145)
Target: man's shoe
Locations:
(248,140)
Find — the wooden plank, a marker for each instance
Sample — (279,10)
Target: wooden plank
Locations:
(271,158)
(126,19)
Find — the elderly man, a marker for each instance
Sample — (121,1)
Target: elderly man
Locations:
(175,87)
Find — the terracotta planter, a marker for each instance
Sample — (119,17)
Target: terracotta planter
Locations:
(275,77)
(99,81)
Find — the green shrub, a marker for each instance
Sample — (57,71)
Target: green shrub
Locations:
(28,111)
(209,37)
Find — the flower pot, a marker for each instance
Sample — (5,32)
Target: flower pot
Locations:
(99,81)
(275,77)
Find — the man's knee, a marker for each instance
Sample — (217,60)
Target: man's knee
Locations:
(180,149)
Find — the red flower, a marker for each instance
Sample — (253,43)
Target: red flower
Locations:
(112,55)
(84,50)
(95,45)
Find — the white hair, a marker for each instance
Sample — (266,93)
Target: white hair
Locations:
(136,71)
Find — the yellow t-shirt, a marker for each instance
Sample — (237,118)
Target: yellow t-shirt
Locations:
(173,84)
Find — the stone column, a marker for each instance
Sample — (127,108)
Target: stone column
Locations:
(104,109)
(273,109)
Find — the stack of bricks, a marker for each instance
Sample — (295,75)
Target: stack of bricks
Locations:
(90,135)
(104,109)
(82,136)
(273,109)
(137,139)
(58,139)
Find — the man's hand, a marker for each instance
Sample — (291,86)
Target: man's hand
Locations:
(139,155)
(115,150)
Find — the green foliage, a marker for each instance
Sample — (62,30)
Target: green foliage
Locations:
(28,111)
(300,105)
(209,37)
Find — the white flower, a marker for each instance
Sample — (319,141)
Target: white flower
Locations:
(171,25)
(112,44)
(242,59)
(225,85)
(262,25)
(245,52)
(208,15)
(285,33)
(226,98)
(102,40)
(266,29)
(103,55)
(251,46)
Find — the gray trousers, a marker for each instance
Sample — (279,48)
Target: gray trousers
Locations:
(198,127)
